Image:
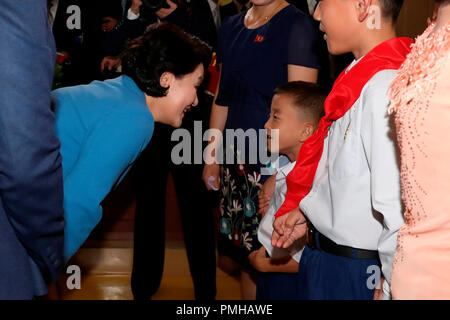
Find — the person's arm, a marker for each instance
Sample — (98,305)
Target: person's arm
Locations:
(218,119)
(129,27)
(176,14)
(262,263)
(133,12)
(31,187)
(303,54)
(378,137)
(300,73)
(111,148)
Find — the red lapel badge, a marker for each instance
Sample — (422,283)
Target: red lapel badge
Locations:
(259,38)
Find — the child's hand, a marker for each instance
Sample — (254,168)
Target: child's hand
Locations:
(263,203)
(378,293)
(288,228)
(258,259)
(265,194)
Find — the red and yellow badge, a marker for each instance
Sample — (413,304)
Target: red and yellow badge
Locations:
(259,38)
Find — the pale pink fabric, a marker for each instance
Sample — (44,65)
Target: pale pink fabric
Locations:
(420,98)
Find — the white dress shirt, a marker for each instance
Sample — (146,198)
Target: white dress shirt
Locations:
(265,229)
(312,6)
(355,197)
(52,12)
(132,16)
(215,10)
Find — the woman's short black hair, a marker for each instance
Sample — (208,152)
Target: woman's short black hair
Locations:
(163,47)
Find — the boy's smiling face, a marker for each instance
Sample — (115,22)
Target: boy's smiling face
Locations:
(292,125)
(339,20)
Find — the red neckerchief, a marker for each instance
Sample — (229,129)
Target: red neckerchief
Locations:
(389,55)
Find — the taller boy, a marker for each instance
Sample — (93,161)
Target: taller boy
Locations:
(347,182)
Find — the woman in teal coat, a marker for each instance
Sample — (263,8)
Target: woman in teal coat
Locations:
(103,126)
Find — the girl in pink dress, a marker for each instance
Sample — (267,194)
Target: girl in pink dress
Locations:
(420,99)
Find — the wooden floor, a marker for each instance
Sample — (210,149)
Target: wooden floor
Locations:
(106,273)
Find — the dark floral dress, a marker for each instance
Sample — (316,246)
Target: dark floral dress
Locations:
(239,220)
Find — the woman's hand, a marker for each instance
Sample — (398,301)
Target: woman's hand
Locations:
(109,63)
(265,194)
(211,176)
(258,260)
(218,118)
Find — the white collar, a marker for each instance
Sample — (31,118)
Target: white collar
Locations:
(213,5)
(284,171)
(354,62)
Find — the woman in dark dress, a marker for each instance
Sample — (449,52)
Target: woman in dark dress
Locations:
(268,44)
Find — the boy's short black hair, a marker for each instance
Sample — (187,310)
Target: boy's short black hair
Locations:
(163,47)
(391,8)
(306,96)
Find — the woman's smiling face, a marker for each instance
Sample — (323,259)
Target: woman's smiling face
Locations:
(181,95)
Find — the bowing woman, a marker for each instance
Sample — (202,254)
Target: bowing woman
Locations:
(104,126)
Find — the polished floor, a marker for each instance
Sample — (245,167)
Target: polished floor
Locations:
(106,271)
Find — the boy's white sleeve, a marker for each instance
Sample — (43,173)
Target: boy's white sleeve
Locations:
(380,147)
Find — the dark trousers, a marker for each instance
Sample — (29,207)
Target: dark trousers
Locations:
(324,276)
(277,286)
(150,175)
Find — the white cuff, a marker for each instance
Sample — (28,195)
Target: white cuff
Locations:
(386,291)
(131,15)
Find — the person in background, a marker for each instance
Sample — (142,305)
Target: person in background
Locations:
(31,185)
(193,198)
(136,17)
(268,44)
(80,28)
(420,98)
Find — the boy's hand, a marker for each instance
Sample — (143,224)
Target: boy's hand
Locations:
(378,293)
(288,228)
(258,259)
(265,194)
(263,203)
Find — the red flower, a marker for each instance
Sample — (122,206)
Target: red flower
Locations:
(236,238)
(242,169)
(60,58)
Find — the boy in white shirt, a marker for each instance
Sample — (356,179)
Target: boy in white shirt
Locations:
(347,180)
(295,112)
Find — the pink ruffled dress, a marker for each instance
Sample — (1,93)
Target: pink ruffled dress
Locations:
(420,99)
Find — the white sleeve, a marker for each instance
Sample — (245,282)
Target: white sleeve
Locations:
(132,16)
(380,147)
